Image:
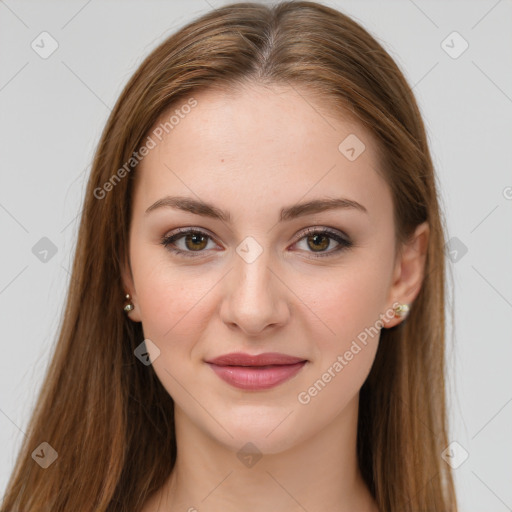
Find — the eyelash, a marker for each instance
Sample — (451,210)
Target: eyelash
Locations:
(167,241)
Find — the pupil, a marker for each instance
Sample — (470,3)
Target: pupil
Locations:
(316,237)
(197,239)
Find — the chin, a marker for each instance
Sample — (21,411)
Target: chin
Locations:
(257,443)
(269,431)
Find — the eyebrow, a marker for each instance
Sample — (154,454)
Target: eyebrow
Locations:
(204,209)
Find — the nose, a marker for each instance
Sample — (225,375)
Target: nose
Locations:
(255,297)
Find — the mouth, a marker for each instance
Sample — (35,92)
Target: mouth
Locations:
(258,372)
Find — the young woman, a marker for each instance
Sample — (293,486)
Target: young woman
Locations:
(255,319)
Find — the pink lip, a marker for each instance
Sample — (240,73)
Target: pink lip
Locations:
(263,371)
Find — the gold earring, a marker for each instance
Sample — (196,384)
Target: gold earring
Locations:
(130,306)
(401,310)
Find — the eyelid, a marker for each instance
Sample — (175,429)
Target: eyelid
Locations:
(323,229)
(342,239)
(177,234)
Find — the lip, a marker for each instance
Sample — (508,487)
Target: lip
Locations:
(262,371)
(242,359)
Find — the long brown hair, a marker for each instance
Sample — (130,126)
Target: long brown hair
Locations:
(107,415)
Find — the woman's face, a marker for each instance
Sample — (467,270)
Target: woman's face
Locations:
(256,281)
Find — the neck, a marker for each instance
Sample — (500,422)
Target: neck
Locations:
(322,471)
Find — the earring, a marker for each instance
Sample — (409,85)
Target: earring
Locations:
(401,310)
(128,307)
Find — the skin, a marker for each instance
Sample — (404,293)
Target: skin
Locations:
(252,152)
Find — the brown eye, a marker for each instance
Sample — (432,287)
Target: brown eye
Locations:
(318,241)
(191,241)
(195,241)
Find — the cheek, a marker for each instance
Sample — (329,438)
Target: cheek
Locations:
(345,345)
(172,299)
(348,300)
(346,321)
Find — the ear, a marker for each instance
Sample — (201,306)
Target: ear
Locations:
(409,271)
(128,287)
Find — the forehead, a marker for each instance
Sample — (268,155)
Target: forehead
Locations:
(257,145)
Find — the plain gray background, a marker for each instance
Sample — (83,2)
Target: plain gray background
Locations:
(54,109)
